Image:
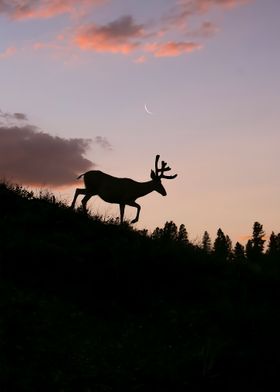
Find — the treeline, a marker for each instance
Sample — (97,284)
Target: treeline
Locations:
(44,216)
(222,248)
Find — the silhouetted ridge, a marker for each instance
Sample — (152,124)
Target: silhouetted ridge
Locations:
(90,305)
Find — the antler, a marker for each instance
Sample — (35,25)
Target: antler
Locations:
(160,171)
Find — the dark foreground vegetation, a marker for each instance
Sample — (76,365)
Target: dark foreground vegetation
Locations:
(88,305)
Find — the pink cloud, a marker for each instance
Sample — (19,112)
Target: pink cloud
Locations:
(120,36)
(124,36)
(205,5)
(184,9)
(40,9)
(195,6)
(171,48)
(8,53)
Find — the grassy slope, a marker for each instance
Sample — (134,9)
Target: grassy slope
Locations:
(92,306)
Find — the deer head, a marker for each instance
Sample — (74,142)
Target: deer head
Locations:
(158,174)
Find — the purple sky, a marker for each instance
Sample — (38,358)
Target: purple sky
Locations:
(75,76)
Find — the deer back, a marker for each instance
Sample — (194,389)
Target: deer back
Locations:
(109,188)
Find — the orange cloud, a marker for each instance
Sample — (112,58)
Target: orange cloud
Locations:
(194,6)
(171,48)
(205,5)
(184,9)
(8,53)
(119,36)
(123,35)
(40,9)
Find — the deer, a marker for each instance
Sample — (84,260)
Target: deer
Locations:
(122,191)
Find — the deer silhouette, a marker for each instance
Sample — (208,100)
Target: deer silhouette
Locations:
(122,191)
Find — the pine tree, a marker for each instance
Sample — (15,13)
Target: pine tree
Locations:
(170,231)
(239,253)
(157,234)
(206,242)
(255,246)
(273,250)
(258,234)
(182,236)
(249,250)
(229,248)
(222,246)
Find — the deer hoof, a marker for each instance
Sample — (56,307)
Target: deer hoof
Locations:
(134,221)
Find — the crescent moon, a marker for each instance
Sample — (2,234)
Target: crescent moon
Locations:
(147,110)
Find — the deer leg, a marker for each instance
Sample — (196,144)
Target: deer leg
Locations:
(122,207)
(78,192)
(85,200)
(133,204)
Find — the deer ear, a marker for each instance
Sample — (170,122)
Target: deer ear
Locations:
(153,175)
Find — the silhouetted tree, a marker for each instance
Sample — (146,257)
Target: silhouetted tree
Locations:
(206,242)
(255,246)
(170,231)
(222,246)
(249,249)
(239,253)
(182,236)
(273,250)
(229,247)
(157,234)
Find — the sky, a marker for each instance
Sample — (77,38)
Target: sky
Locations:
(75,77)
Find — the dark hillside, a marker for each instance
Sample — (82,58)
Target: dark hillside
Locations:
(88,305)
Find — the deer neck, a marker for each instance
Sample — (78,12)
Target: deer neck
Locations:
(145,187)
